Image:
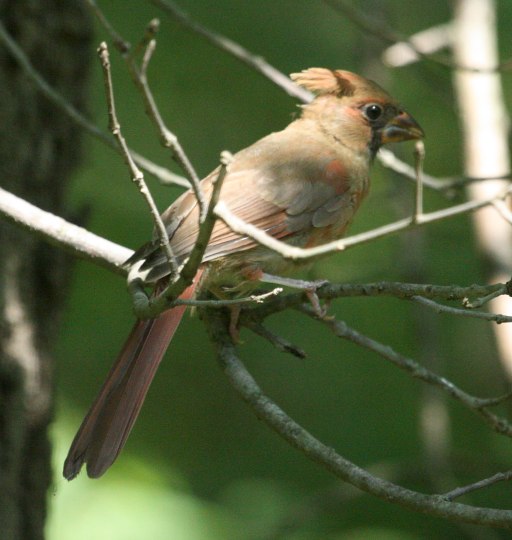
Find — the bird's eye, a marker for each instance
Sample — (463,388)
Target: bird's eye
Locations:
(372,111)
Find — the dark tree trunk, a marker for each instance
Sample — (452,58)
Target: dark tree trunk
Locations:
(39,148)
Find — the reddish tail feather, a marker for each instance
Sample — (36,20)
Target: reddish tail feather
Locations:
(110,419)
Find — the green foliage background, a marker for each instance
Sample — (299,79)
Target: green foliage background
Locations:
(199,465)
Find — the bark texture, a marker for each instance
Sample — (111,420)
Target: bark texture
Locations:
(39,149)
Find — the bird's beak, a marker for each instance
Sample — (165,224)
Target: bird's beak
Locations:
(402,127)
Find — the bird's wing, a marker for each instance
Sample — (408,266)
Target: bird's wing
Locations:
(284,195)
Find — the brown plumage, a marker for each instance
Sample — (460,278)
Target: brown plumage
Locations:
(301,185)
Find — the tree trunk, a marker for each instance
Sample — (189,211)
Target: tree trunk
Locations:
(39,149)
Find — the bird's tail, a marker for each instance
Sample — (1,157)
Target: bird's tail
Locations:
(110,419)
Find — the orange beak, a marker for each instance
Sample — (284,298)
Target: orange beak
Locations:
(402,127)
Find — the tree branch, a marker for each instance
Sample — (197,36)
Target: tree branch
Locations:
(163,301)
(460,491)
(268,411)
(136,173)
(163,174)
(257,63)
(440,308)
(477,405)
(59,232)
(294,253)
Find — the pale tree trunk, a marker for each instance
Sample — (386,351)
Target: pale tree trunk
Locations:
(485,126)
(39,148)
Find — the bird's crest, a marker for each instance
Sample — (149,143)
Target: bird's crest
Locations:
(323,81)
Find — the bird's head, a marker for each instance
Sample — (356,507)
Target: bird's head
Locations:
(355,110)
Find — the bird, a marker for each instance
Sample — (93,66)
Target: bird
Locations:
(302,185)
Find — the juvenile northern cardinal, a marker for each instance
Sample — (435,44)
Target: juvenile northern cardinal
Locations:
(301,185)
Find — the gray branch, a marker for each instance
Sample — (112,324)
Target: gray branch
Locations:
(55,230)
(313,449)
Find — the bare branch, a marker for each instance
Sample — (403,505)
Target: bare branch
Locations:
(139,76)
(148,45)
(147,308)
(195,257)
(481,484)
(418,170)
(120,44)
(440,308)
(61,233)
(387,35)
(278,342)
(137,176)
(479,302)
(163,174)
(381,31)
(142,307)
(291,252)
(498,400)
(389,160)
(404,291)
(168,138)
(252,299)
(477,405)
(235,50)
(503,210)
(427,41)
(447,185)
(268,411)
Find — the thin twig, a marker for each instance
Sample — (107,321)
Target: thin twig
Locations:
(447,185)
(119,42)
(208,223)
(479,302)
(481,484)
(147,308)
(139,76)
(136,173)
(492,402)
(259,64)
(477,405)
(252,299)
(168,138)
(149,47)
(428,41)
(389,160)
(267,410)
(278,342)
(161,173)
(441,308)
(377,29)
(243,228)
(419,153)
(503,210)
(404,291)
